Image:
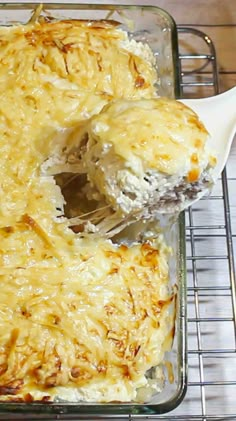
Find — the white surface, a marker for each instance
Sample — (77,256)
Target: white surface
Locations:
(218,114)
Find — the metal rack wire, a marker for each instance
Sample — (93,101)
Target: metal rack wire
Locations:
(211,276)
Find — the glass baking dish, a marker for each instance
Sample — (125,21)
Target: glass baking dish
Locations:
(154,26)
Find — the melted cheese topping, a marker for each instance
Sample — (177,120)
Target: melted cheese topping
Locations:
(50,79)
(76,314)
(98,313)
(160,134)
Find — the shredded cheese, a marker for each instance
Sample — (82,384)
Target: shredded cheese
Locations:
(76,315)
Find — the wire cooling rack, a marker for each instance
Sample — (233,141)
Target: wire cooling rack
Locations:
(211,279)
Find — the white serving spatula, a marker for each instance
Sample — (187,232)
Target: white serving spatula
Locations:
(218,114)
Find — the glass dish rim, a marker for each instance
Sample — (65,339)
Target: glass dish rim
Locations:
(135,409)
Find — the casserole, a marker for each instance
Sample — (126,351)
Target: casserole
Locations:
(144,157)
(167,84)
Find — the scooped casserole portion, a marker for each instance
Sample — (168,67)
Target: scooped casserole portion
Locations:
(138,159)
(80,320)
(147,155)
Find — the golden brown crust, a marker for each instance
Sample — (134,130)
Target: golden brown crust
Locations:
(73,312)
(164,134)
